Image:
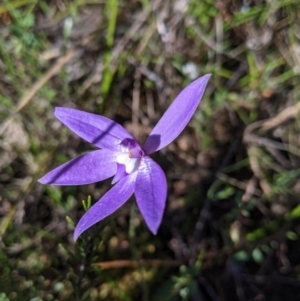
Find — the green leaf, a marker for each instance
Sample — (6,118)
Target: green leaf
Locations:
(257,255)
(291,235)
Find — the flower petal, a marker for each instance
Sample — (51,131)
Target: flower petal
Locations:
(85,169)
(151,192)
(108,204)
(121,173)
(98,130)
(177,116)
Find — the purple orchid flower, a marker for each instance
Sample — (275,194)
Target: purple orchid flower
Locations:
(121,156)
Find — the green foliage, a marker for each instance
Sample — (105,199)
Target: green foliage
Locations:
(181,286)
(111,10)
(204,12)
(294,214)
(268,229)
(282,182)
(87,204)
(3,297)
(257,255)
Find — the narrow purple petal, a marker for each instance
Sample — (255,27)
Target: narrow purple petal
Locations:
(98,130)
(177,116)
(108,204)
(121,173)
(85,169)
(151,192)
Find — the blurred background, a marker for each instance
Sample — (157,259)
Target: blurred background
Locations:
(232,223)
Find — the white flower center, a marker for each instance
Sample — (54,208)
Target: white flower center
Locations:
(131,164)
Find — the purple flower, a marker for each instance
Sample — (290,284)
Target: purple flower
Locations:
(122,158)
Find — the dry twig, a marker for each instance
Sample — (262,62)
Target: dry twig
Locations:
(119,264)
(37,86)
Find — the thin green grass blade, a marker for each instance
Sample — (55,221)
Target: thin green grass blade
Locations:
(111,10)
